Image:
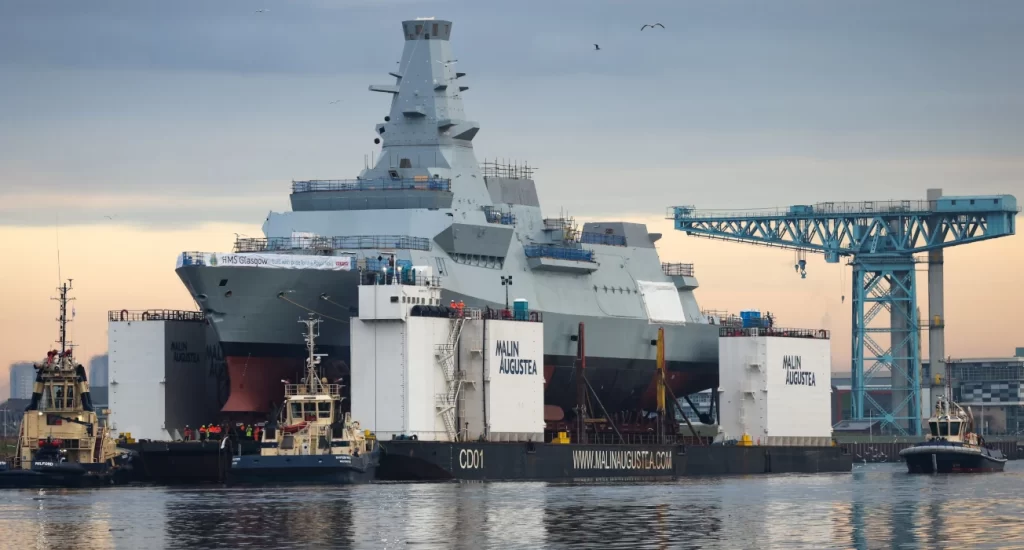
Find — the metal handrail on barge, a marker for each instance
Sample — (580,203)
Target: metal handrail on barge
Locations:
(819,334)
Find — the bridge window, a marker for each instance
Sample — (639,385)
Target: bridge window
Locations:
(435,28)
(934,427)
(297,411)
(324,409)
(954,428)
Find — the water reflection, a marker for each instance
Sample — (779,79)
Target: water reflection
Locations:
(878,506)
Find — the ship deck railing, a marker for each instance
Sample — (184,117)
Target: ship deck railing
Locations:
(155,315)
(818,334)
(383,272)
(602,238)
(677,269)
(291,390)
(559,252)
(530,316)
(375,278)
(495,215)
(401,184)
(726,319)
(350,242)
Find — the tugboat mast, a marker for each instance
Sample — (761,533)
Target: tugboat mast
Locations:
(63,319)
(313,383)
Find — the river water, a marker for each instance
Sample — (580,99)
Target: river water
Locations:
(877,506)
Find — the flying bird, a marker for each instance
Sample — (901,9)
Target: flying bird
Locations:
(262,11)
(596,47)
(335,101)
(109,217)
(652,26)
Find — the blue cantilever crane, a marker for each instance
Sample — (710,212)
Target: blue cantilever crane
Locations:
(881,238)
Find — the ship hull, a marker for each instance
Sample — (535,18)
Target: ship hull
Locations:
(303,469)
(66,475)
(442,461)
(259,336)
(950,458)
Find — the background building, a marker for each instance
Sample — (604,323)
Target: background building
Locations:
(992,387)
(880,389)
(23,376)
(99,371)
(994,390)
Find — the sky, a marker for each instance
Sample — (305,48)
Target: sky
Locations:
(130,131)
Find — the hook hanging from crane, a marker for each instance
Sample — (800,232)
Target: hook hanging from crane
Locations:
(801,263)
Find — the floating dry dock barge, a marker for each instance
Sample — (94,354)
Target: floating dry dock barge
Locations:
(455,394)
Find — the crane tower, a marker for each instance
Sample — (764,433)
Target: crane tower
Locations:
(881,239)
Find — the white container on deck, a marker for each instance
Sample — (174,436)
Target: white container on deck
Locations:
(443,378)
(161,377)
(776,386)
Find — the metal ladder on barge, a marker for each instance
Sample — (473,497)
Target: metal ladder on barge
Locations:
(445,355)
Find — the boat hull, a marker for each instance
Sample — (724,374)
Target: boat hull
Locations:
(65,475)
(260,343)
(303,469)
(949,458)
(493,461)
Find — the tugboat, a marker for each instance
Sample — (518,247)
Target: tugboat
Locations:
(951,445)
(311,441)
(61,442)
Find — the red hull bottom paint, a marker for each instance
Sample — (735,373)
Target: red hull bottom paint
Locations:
(256,382)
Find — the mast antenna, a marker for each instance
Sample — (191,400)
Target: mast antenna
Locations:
(313,382)
(56,228)
(63,319)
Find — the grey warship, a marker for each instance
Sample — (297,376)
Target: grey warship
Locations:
(427,205)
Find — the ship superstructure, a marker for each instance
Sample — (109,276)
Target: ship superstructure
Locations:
(427,203)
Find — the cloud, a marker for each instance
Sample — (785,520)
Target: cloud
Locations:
(205,109)
(146,211)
